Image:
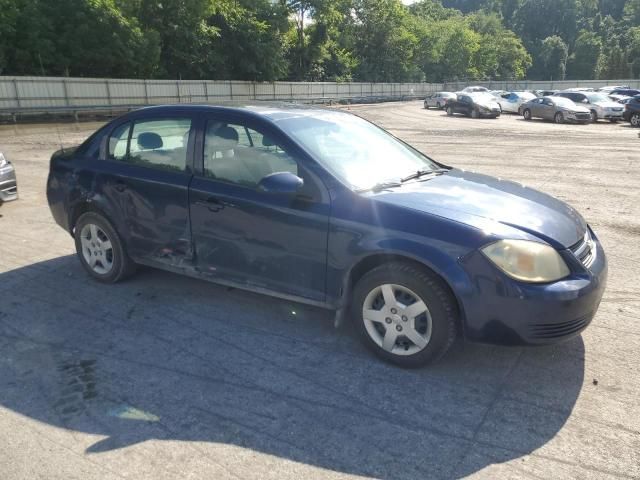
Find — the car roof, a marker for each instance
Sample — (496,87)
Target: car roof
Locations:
(268,110)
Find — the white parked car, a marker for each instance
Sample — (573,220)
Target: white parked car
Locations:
(473,89)
(599,104)
(511,101)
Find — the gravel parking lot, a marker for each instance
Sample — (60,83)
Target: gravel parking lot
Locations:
(164,376)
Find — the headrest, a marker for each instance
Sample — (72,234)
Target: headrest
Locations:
(223,138)
(149,141)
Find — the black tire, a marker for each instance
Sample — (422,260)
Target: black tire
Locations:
(635,120)
(426,107)
(431,290)
(438,106)
(526,114)
(450,111)
(122,265)
(613,120)
(594,116)
(474,113)
(559,117)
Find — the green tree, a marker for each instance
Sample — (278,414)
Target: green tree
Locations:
(553,55)
(584,59)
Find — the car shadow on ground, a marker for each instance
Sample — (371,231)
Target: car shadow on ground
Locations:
(171,358)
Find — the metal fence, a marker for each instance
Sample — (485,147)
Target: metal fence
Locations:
(538,84)
(21,93)
(54,94)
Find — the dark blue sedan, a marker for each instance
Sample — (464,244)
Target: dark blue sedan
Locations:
(323,207)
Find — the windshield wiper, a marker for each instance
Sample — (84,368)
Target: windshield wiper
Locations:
(378,187)
(422,173)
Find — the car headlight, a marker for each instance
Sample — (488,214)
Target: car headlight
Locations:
(3,161)
(527,261)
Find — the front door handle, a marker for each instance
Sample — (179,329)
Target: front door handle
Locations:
(120,186)
(214,204)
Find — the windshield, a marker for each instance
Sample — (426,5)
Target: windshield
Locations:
(563,102)
(598,97)
(354,150)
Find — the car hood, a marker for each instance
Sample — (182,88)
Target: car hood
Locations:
(479,198)
(487,104)
(576,109)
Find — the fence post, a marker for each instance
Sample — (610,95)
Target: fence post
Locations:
(15,87)
(206,91)
(291,90)
(274,89)
(231,89)
(66,93)
(146,93)
(106,83)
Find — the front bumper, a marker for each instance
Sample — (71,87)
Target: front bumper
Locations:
(8,183)
(507,312)
(609,115)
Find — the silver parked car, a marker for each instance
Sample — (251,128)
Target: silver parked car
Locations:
(8,185)
(558,109)
(438,99)
(510,101)
(599,104)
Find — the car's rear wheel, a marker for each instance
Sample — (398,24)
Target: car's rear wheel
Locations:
(100,249)
(450,111)
(559,117)
(404,314)
(594,116)
(527,114)
(439,106)
(426,106)
(635,120)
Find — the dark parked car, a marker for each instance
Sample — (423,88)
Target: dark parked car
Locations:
(632,111)
(323,207)
(474,105)
(8,183)
(627,92)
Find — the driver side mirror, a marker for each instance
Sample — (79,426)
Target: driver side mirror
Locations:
(283,183)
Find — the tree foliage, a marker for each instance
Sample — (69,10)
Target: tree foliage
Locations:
(322,40)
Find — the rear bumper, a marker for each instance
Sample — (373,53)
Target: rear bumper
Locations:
(506,312)
(8,184)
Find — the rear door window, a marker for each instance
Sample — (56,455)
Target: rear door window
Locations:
(160,143)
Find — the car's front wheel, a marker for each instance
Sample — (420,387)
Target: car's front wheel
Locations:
(404,314)
(527,114)
(594,116)
(474,113)
(100,249)
(635,120)
(450,111)
(559,118)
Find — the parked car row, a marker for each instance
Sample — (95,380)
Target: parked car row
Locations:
(578,105)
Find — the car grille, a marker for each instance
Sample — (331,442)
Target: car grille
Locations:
(562,329)
(583,116)
(585,250)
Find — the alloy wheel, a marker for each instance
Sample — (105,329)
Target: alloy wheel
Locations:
(594,116)
(96,248)
(635,120)
(397,319)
